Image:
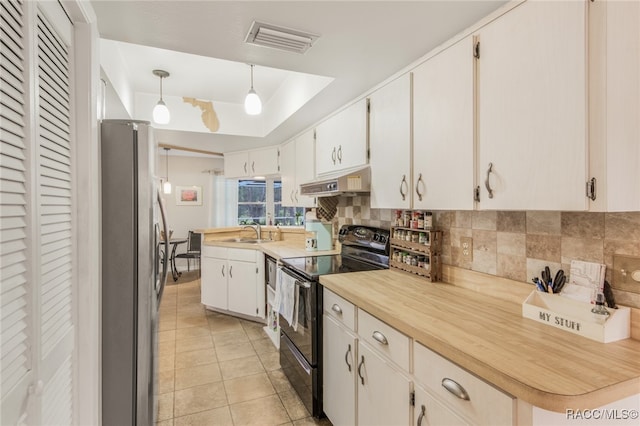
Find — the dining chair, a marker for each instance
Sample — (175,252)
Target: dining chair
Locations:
(193,250)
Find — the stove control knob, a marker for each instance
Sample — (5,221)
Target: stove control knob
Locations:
(376,237)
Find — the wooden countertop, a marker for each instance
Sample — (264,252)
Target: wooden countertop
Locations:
(275,249)
(488,336)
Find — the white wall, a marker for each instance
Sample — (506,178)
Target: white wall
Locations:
(188,171)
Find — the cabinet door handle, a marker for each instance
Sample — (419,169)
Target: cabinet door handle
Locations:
(245,167)
(333,155)
(346,357)
(455,388)
(423,412)
(359,370)
(418,186)
(403,185)
(253,166)
(337,309)
(380,338)
(291,196)
(340,154)
(231,271)
(486,181)
(223,270)
(296,195)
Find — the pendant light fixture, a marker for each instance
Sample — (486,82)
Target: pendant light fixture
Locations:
(252,103)
(166,187)
(161,113)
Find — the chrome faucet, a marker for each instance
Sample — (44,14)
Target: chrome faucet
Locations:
(256,227)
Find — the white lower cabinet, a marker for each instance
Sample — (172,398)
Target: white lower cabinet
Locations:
(233,280)
(339,355)
(383,391)
(429,412)
(463,393)
(361,384)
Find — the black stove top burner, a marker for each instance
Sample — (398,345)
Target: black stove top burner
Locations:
(314,266)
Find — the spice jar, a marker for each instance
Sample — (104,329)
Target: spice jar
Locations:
(428,220)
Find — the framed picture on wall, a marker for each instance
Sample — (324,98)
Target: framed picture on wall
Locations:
(188,195)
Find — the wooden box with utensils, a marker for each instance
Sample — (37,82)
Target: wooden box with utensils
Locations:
(576,317)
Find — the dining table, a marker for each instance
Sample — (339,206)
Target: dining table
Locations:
(174,242)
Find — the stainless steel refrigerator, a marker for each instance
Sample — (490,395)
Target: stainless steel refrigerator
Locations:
(134,270)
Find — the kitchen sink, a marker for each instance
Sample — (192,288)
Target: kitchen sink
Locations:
(245,240)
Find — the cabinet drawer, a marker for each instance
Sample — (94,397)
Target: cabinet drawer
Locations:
(484,404)
(213,251)
(340,309)
(242,255)
(384,338)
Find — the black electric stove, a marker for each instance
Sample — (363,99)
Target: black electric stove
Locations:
(363,249)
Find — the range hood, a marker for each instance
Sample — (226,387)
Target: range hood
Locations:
(346,182)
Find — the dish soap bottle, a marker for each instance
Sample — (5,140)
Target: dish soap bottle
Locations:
(600,313)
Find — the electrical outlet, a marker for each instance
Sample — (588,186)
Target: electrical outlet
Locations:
(626,273)
(466,245)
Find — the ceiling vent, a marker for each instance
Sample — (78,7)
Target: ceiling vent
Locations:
(269,35)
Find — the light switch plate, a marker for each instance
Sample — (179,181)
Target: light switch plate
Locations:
(623,269)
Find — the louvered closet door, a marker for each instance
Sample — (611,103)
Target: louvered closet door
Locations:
(15,292)
(55,206)
(36,219)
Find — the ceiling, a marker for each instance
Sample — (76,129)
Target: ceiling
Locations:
(201,43)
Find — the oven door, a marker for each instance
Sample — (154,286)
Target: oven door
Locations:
(305,336)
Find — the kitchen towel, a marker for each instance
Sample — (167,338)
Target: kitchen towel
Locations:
(285,301)
(327,208)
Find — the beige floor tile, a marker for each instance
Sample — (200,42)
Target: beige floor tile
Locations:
(191,321)
(167,348)
(270,360)
(223,324)
(230,338)
(247,388)
(241,367)
(294,406)
(166,336)
(255,332)
(166,381)
(192,332)
(279,381)
(264,345)
(164,325)
(239,350)
(193,344)
(195,376)
(218,417)
(195,358)
(312,421)
(199,398)
(165,423)
(167,362)
(165,407)
(189,299)
(264,411)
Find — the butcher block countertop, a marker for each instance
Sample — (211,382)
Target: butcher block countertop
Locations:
(485,333)
(276,249)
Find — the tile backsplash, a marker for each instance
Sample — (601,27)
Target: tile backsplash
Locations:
(517,245)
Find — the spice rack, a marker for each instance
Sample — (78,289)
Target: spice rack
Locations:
(417,251)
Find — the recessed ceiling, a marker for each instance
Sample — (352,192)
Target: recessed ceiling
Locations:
(360,44)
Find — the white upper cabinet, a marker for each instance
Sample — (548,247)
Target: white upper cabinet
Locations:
(341,140)
(614,60)
(258,162)
(390,144)
(443,130)
(297,165)
(531,99)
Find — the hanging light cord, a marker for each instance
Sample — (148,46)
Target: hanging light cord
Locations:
(166,150)
(251,79)
(161,88)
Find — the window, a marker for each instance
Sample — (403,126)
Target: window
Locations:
(261,200)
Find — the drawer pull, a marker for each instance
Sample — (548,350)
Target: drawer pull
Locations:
(346,357)
(379,337)
(423,412)
(455,388)
(337,309)
(360,368)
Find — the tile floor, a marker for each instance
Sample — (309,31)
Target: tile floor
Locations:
(215,369)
